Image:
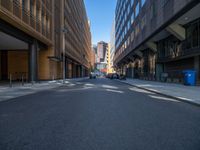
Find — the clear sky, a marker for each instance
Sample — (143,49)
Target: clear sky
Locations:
(101,15)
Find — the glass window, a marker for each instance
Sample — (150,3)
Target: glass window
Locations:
(152,10)
(132,36)
(132,2)
(137,10)
(193,35)
(132,18)
(137,29)
(143,2)
(143,21)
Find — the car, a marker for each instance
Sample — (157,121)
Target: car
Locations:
(109,75)
(114,76)
(93,76)
(122,77)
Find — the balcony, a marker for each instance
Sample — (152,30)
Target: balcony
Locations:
(185,51)
(14,8)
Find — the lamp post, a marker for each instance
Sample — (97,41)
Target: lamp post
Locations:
(64,31)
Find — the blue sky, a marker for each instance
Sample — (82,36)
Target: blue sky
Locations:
(101,15)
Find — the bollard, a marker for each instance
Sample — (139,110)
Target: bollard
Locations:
(10,80)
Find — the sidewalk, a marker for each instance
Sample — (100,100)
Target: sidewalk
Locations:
(190,94)
(18,90)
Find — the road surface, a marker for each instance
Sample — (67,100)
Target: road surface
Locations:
(98,114)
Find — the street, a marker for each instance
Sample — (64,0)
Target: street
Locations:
(98,114)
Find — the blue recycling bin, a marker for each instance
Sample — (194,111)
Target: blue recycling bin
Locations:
(189,77)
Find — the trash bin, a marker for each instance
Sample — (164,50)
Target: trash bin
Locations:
(189,77)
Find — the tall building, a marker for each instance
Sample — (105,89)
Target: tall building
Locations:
(93,59)
(94,48)
(112,46)
(35,35)
(157,38)
(77,39)
(109,67)
(102,52)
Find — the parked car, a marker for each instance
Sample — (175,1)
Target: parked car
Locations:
(115,76)
(109,75)
(122,77)
(93,76)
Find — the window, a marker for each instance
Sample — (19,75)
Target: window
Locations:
(152,10)
(193,35)
(132,18)
(137,29)
(132,36)
(31,8)
(143,2)
(129,7)
(143,21)
(137,10)
(132,2)
(164,2)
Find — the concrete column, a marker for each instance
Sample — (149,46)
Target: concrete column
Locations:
(33,68)
(66,69)
(132,72)
(197,66)
(81,71)
(73,70)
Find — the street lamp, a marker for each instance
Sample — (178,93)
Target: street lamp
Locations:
(64,31)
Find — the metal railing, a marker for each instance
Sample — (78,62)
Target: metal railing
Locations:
(184,51)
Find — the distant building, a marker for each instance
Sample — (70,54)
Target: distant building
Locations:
(102,48)
(93,58)
(102,52)
(94,48)
(112,46)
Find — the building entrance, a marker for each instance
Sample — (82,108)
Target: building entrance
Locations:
(13,58)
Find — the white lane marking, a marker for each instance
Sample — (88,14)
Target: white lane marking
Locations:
(109,87)
(163,98)
(140,90)
(115,91)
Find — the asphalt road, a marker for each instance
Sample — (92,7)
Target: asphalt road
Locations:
(98,115)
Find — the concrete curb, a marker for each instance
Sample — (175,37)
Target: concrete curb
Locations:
(162,94)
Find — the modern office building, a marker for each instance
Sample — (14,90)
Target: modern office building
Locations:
(112,46)
(109,67)
(94,49)
(34,35)
(102,48)
(93,59)
(157,38)
(102,52)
